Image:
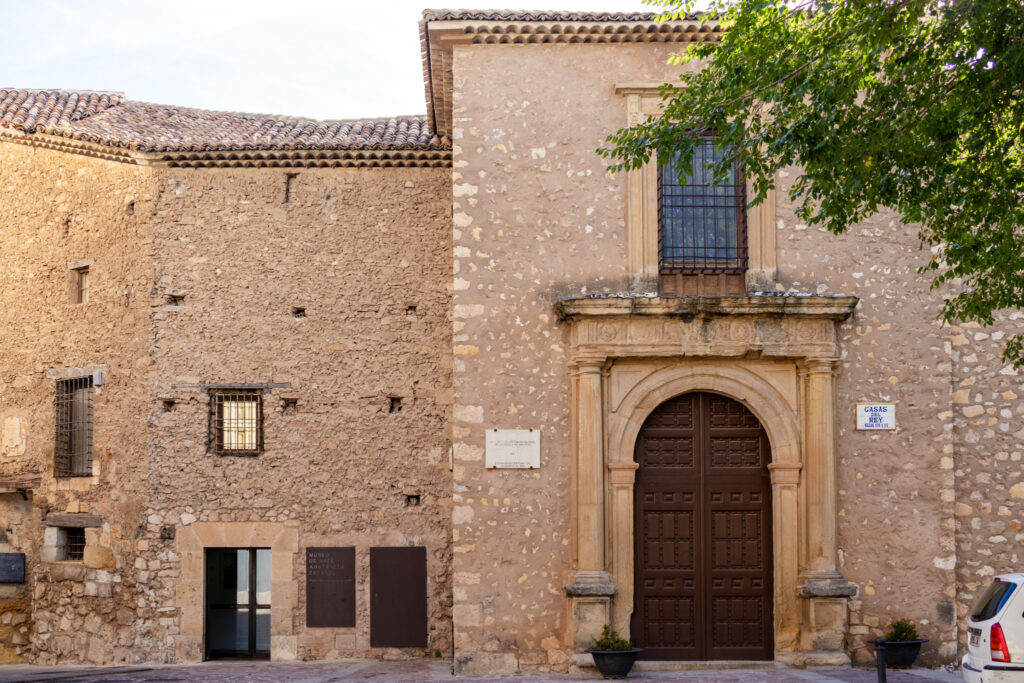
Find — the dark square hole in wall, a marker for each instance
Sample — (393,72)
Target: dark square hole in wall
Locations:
(175,299)
(72,543)
(130,209)
(289,405)
(168,404)
(167,533)
(298,312)
(289,186)
(410,309)
(394,404)
(412,500)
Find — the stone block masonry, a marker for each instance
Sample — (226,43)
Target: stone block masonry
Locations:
(195,279)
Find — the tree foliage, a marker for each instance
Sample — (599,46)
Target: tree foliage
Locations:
(912,105)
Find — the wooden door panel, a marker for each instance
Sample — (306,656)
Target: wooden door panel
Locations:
(702,526)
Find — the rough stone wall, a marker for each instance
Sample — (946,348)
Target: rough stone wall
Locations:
(56,209)
(896,490)
(988,419)
(366,254)
(536,218)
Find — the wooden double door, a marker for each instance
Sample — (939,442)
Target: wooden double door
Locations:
(702,533)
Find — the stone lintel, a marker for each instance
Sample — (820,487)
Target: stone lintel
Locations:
(577,590)
(830,307)
(65,519)
(20,481)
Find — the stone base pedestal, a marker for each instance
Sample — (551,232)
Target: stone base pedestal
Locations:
(824,598)
(590,607)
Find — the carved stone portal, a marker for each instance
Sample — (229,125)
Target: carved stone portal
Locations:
(776,355)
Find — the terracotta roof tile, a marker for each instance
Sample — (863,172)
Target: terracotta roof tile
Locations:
(109,119)
(531,15)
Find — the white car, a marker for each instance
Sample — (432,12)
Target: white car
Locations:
(995,634)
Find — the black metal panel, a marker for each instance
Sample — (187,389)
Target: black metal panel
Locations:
(398,597)
(330,587)
(12,567)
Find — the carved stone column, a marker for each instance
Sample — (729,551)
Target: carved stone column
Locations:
(591,590)
(820,484)
(622,476)
(824,589)
(785,494)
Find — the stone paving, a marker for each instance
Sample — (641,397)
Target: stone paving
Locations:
(395,672)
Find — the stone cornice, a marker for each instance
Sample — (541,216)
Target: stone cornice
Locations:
(439,36)
(780,327)
(831,307)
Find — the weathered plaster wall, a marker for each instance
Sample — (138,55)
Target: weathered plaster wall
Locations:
(55,209)
(536,218)
(988,420)
(896,537)
(366,253)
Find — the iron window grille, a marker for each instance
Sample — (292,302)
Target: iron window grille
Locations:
(74,543)
(73,445)
(236,421)
(702,224)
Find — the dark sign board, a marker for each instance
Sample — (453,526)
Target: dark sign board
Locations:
(330,587)
(12,567)
(398,597)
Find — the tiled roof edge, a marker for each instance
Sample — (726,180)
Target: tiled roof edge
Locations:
(284,158)
(517,27)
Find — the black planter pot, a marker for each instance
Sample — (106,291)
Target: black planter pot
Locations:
(900,654)
(615,663)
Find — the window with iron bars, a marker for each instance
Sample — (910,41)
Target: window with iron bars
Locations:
(72,543)
(236,421)
(702,226)
(73,446)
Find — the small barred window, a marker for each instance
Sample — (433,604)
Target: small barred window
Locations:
(72,543)
(72,453)
(702,223)
(236,421)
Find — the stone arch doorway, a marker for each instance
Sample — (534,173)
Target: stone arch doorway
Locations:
(703,579)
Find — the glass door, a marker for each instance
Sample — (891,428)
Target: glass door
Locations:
(238,603)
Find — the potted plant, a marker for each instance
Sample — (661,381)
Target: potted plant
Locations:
(902,644)
(613,655)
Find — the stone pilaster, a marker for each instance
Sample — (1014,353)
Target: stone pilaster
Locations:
(822,587)
(591,589)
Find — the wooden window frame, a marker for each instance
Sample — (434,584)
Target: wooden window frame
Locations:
(79,278)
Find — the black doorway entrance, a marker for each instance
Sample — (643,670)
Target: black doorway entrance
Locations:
(238,603)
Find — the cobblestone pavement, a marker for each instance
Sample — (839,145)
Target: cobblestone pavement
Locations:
(395,672)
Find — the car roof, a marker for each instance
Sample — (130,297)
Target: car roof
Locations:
(1016,578)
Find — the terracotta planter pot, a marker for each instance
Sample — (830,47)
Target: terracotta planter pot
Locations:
(615,663)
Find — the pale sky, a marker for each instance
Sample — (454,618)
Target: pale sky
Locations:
(317,58)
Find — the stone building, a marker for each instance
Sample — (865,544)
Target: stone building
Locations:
(267,384)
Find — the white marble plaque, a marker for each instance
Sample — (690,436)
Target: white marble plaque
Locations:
(517,449)
(876,416)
